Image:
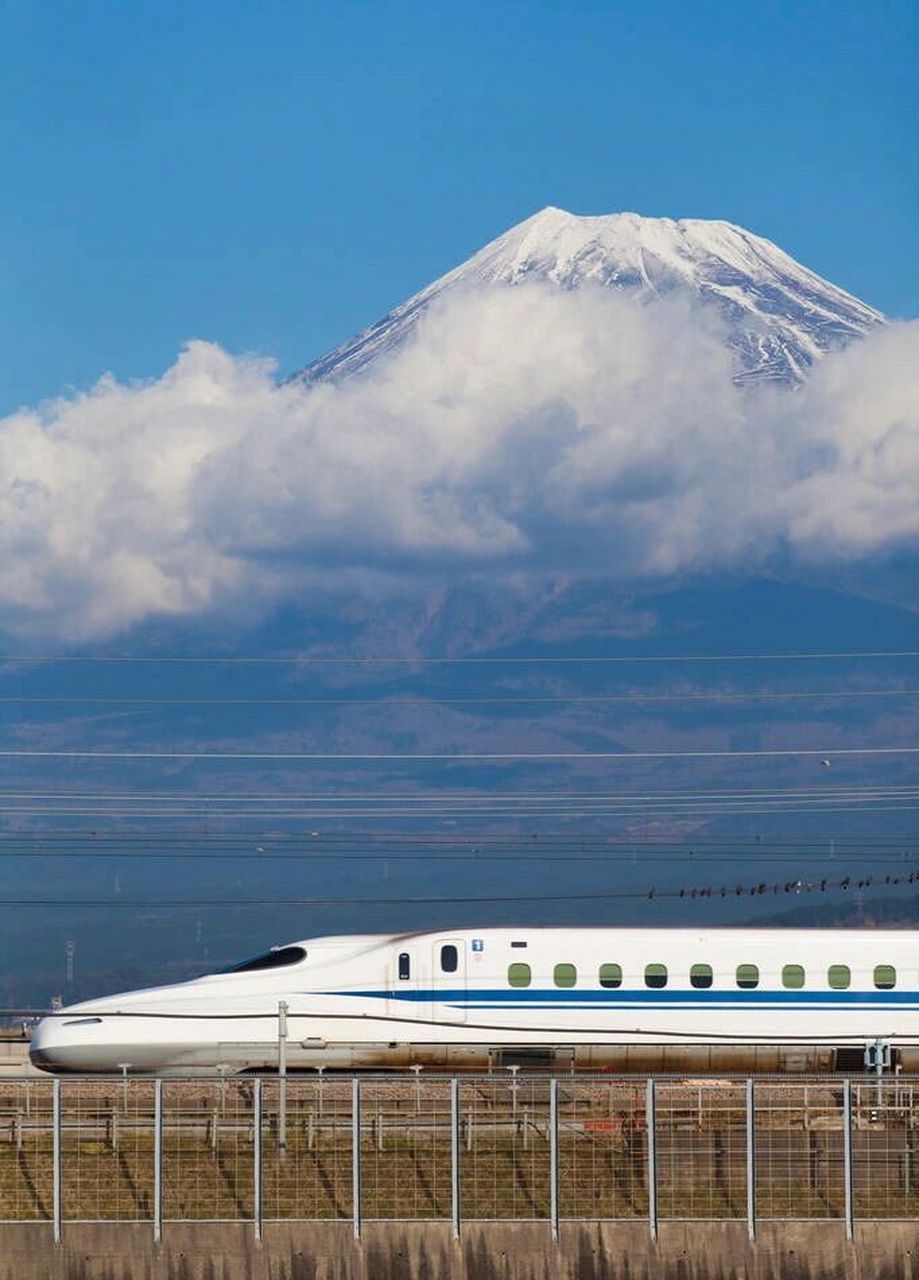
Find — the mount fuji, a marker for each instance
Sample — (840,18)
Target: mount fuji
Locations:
(779,317)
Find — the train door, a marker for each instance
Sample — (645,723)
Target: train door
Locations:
(448,963)
(405,996)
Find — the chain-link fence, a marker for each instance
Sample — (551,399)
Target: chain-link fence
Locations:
(504,1149)
(701,1150)
(26,1151)
(885,1150)
(501,1146)
(107,1150)
(306,1168)
(208,1144)
(800,1150)
(603,1150)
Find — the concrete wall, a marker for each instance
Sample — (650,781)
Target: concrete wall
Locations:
(14,1057)
(489,1251)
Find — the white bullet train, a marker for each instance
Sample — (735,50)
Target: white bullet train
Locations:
(583,999)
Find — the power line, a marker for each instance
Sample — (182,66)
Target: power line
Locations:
(796,886)
(470,796)
(130,803)
(342,839)
(484,700)
(518,805)
(530,839)
(402,660)
(327,756)
(370,845)
(443,811)
(448,812)
(428,839)
(397,855)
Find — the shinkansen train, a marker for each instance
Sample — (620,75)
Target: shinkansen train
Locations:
(560,999)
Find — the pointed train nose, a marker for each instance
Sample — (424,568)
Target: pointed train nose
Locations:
(91,1043)
(61,1044)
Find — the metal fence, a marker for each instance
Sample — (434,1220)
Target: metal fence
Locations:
(491,1147)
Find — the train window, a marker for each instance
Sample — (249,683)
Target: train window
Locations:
(793,977)
(655,975)
(449,958)
(839,976)
(700,975)
(565,975)
(518,975)
(747,977)
(885,977)
(405,966)
(276,958)
(610,975)
(518,944)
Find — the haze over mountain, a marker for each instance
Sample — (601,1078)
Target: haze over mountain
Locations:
(780,317)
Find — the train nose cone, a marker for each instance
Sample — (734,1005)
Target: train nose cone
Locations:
(60,1045)
(42,1045)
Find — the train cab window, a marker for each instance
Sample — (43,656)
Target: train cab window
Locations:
(839,977)
(793,977)
(885,977)
(610,975)
(405,966)
(565,975)
(518,975)
(276,958)
(747,977)
(655,975)
(449,958)
(700,976)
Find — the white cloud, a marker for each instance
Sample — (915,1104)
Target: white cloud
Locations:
(524,426)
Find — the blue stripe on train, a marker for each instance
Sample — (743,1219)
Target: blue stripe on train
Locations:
(520,998)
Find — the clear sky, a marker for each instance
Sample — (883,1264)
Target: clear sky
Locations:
(274,176)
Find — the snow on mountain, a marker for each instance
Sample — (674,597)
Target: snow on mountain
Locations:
(780,316)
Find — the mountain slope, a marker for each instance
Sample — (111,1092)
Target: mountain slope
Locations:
(780,316)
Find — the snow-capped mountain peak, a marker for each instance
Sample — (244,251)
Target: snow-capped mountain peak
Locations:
(780,316)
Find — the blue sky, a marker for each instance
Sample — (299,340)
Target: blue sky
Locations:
(274,176)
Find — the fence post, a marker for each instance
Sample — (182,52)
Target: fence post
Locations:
(356,1155)
(257,1157)
(651,1126)
(157,1160)
(553,1157)
(751,1161)
(56,1186)
(455,1155)
(847,1156)
(282,1075)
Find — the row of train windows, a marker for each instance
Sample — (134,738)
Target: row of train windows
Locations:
(701,976)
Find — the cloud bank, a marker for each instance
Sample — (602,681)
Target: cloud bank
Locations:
(523,426)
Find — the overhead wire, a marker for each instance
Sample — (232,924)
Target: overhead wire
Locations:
(417,660)
(397,855)
(321,806)
(422,701)
(490,756)
(452,812)
(471,796)
(797,886)
(531,839)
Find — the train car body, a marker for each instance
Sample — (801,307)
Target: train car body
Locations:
(628,999)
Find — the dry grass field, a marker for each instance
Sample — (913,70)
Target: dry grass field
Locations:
(107,1138)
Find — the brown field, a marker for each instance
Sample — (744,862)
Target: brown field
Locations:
(503,1135)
